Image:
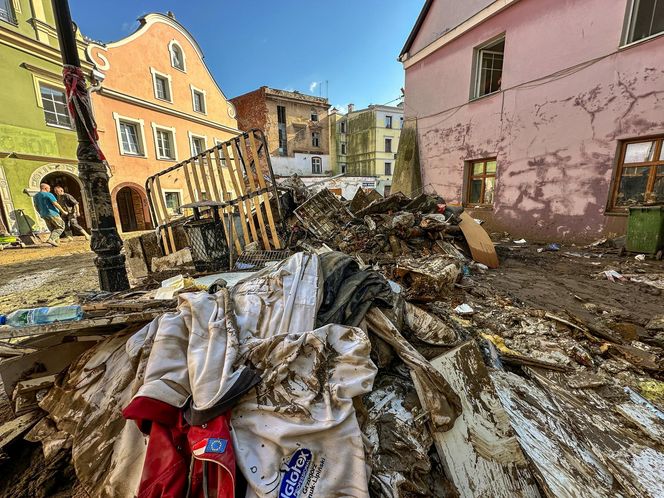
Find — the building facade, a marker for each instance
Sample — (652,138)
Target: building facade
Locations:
(296,127)
(37,139)
(156,104)
(542,123)
(367,141)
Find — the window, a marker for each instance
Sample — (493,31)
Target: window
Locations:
(388,145)
(161,88)
(388,168)
(344,168)
(342,127)
(164,141)
(129,138)
(197,145)
(316,165)
(481,182)
(55,106)
(401,122)
(640,173)
(281,125)
(388,121)
(645,18)
(315,139)
(314,116)
(6,11)
(343,149)
(198,98)
(177,56)
(488,68)
(173,202)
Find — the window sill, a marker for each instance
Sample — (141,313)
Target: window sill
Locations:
(479,207)
(642,40)
(200,112)
(163,100)
(181,70)
(171,159)
(62,127)
(475,99)
(129,154)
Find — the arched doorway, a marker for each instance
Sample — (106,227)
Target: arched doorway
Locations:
(72,187)
(132,209)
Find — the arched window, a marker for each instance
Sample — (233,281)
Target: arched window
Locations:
(177,56)
(316,166)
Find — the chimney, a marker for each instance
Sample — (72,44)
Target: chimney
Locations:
(351,107)
(170,14)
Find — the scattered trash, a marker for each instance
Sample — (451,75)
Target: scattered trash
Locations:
(612,275)
(640,257)
(464,309)
(521,241)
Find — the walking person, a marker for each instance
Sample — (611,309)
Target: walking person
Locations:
(70,204)
(48,208)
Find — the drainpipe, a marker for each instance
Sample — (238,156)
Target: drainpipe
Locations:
(105,241)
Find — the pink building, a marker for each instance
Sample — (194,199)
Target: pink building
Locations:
(543,117)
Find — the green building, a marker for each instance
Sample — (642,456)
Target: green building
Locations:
(366,141)
(37,140)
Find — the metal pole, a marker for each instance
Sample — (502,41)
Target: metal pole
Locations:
(105,240)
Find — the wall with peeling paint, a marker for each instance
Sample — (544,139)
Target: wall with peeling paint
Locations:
(569,95)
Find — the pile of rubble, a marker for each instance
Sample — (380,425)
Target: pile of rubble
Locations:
(369,362)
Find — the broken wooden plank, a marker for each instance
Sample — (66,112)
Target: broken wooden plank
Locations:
(479,242)
(11,430)
(31,385)
(7,332)
(481,453)
(562,464)
(8,350)
(643,414)
(428,327)
(635,461)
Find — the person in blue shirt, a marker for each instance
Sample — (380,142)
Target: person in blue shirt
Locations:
(48,208)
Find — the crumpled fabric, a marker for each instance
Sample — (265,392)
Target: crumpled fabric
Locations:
(107,453)
(349,292)
(296,435)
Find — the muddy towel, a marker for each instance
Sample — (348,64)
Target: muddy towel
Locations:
(348,292)
(296,435)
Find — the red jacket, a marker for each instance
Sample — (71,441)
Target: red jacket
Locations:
(183,460)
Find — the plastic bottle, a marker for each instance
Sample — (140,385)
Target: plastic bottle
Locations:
(41,316)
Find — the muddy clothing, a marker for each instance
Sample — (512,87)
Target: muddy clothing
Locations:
(68,202)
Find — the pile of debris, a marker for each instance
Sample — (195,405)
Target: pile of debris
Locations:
(367,363)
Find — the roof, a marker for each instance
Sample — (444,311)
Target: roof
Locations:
(416,28)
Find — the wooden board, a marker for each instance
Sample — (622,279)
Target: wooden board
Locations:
(14,428)
(561,462)
(481,453)
(478,240)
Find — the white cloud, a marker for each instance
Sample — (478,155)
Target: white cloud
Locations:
(313,86)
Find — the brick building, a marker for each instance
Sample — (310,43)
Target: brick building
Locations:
(296,127)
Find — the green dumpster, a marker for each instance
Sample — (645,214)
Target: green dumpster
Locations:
(645,229)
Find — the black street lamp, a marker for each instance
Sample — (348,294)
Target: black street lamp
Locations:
(105,241)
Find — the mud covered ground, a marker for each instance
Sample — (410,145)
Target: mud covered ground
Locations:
(45,275)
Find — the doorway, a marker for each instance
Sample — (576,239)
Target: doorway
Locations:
(72,187)
(131,210)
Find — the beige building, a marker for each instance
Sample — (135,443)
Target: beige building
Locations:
(296,127)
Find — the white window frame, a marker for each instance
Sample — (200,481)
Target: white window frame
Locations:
(59,88)
(171,44)
(204,93)
(165,76)
(191,142)
(174,144)
(320,163)
(171,191)
(477,66)
(141,134)
(628,28)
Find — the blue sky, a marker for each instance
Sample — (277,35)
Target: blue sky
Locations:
(294,44)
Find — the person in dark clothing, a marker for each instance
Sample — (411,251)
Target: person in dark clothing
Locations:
(70,205)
